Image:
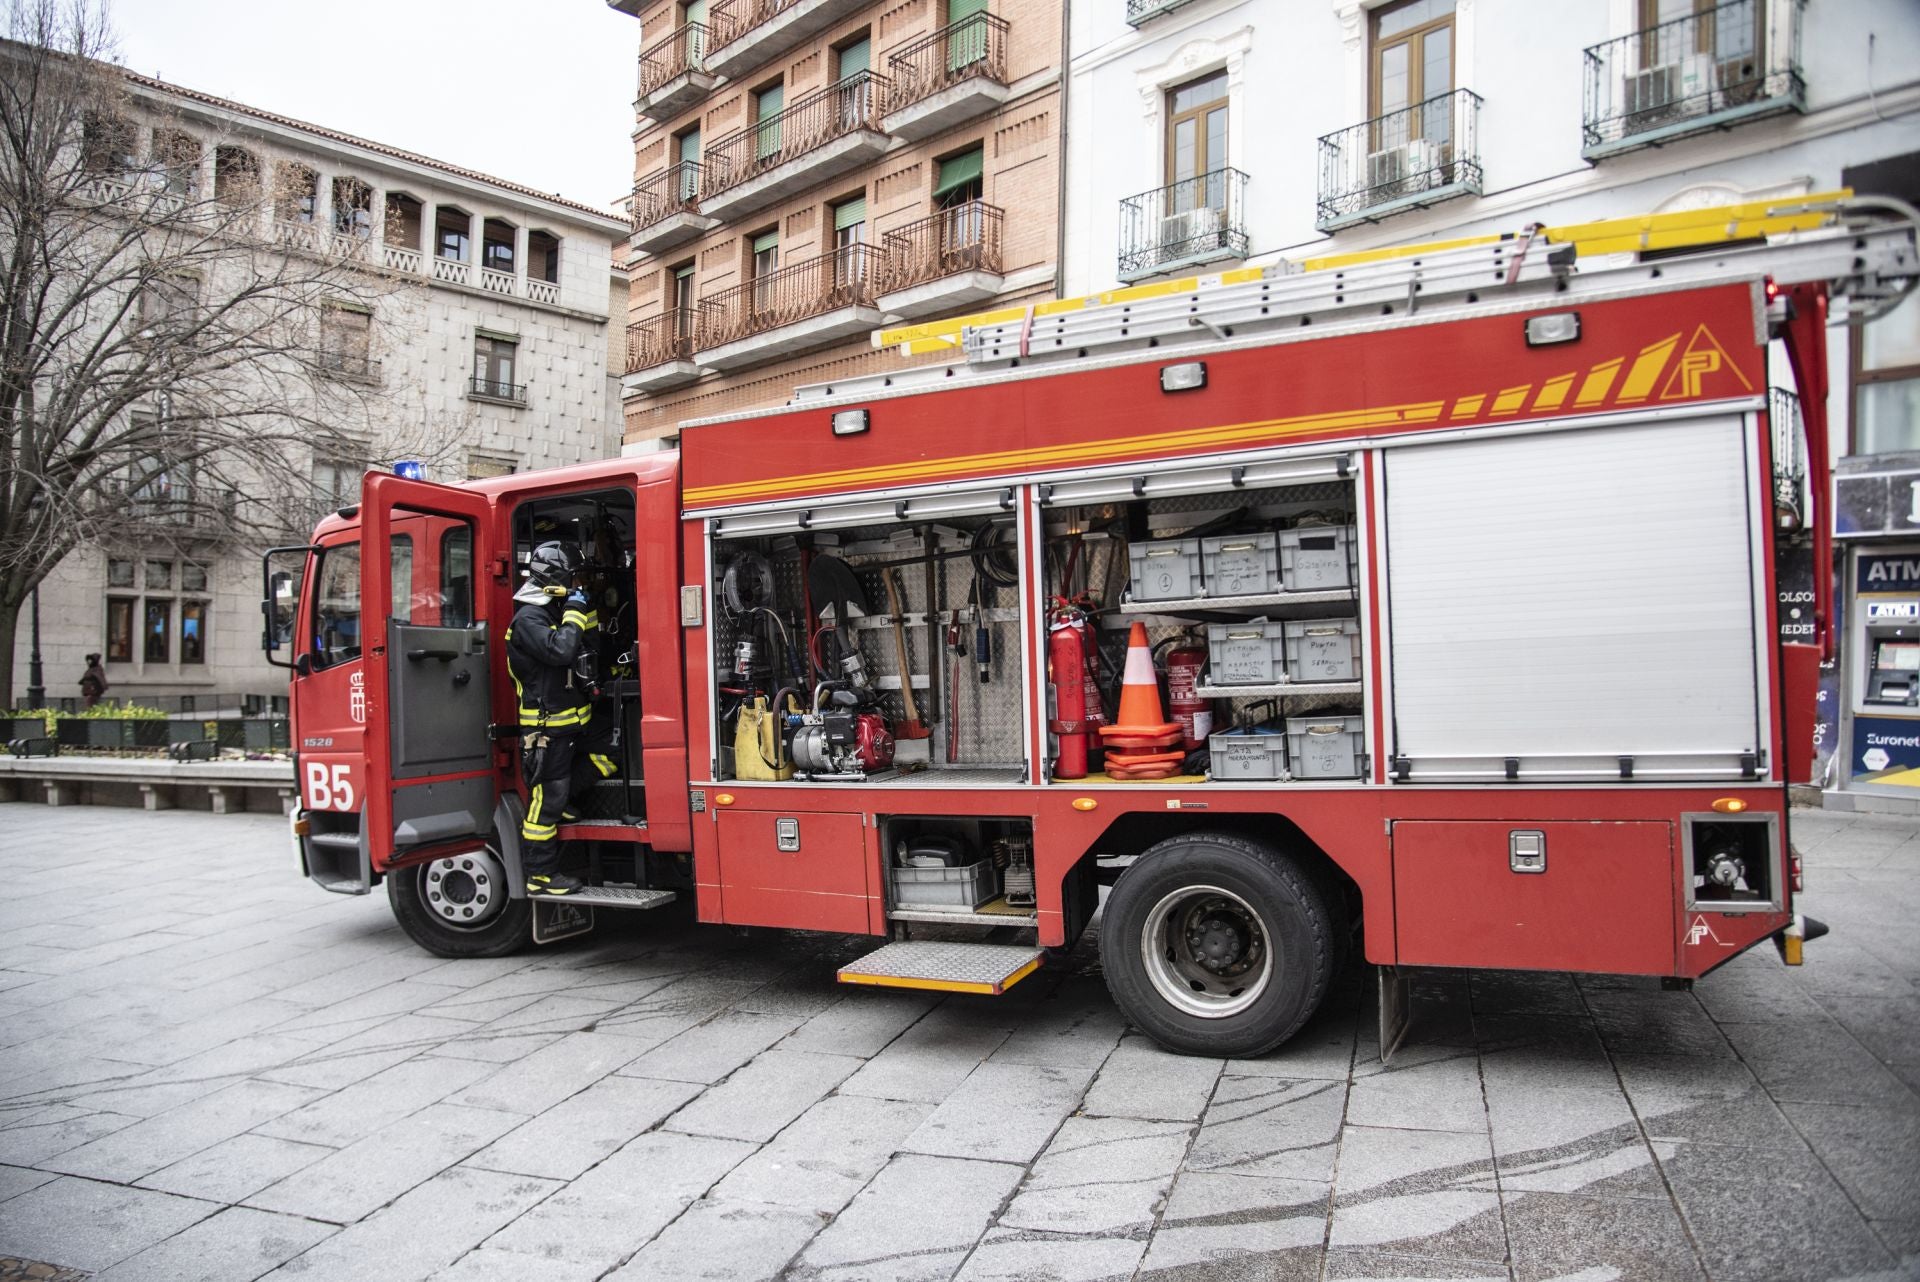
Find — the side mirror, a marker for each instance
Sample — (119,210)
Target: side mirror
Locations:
(283,569)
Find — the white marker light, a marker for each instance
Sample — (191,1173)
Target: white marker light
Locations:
(1183,378)
(849,422)
(1559,327)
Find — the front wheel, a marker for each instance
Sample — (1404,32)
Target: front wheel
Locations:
(460,906)
(1216,945)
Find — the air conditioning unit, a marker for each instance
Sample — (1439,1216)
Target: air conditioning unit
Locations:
(1191,231)
(1671,89)
(1398,171)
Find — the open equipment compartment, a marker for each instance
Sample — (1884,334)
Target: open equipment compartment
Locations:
(922,684)
(1247,581)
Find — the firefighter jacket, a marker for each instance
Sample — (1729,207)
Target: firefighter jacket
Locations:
(540,654)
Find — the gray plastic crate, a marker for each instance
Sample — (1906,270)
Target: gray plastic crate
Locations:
(1166,570)
(1245,654)
(965,887)
(1314,558)
(1240,754)
(1323,649)
(1325,747)
(1241,564)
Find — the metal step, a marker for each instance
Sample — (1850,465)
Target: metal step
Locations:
(944,967)
(615,897)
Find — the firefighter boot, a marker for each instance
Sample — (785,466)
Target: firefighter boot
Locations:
(552,883)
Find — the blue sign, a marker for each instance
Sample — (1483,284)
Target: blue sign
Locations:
(410,469)
(1887,572)
(1884,746)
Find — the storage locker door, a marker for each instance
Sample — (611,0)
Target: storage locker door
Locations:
(1568,599)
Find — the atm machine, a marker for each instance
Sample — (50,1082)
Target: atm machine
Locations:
(1883,669)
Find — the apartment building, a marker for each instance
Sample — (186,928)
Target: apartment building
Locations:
(810,170)
(486,353)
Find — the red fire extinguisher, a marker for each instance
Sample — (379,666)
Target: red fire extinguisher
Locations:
(1195,715)
(1067,678)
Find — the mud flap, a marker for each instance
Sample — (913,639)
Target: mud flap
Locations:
(555,920)
(1396,1009)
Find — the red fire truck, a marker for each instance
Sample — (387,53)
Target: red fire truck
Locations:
(1469,556)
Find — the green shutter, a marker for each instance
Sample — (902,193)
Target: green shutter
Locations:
(968,44)
(690,145)
(766,105)
(767,102)
(697,12)
(850,214)
(764,241)
(958,9)
(958,171)
(855,58)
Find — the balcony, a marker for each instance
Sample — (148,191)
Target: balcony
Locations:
(673,73)
(660,352)
(822,136)
(955,74)
(162,508)
(747,33)
(808,305)
(1406,159)
(490,389)
(1184,224)
(351,366)
(947,261)
(1140,12)
(1709,70)
(666,209)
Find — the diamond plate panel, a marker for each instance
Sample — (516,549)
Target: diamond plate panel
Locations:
(620,897)
(943,962)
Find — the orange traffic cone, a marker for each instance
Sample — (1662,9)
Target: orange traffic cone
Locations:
(1141,742)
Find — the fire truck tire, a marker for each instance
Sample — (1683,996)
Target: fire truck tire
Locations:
(460,911)
(1216,945)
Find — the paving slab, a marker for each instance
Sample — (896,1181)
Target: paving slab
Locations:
(165,1138)
(1239,1228)
(582,1130)
(1430,1193)
(710,1051)
(927,1062)
(1271,1126)
(723,1240)
(916,1222)
(825,1157)
(1558,1237)
(761,1098)
(341,1117)
(546,1076)
(1140,1079)
(1751,1211)
(1002,1112)
(237,1245)
(85,1224)
(1100,1176)
(1024,1255)
(235,1169)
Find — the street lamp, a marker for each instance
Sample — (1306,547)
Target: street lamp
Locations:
(36,678)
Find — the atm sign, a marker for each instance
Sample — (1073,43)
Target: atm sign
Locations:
(1889,611)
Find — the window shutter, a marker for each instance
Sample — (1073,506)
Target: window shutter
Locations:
(764,241)
(690,145)
(958,9)
(958,171)
(850,214)
(855,58)
(767,102)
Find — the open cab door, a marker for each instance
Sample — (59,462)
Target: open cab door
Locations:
(431,786)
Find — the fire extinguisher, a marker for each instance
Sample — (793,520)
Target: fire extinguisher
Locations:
(1096,706)
(1195,715)
(1066,675)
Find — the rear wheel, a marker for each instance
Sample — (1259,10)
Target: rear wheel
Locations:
(460,906)
(1216,945)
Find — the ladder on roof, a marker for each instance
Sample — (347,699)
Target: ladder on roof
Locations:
(1865,248)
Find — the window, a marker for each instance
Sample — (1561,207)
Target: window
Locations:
(120,628)
(402,228)
(352,208)
(1197,144)
(456,577)
(1731,35)
(176,158)
(493,365)
(236,176)
(687,147)
(852,58)
(1412,62)
(336,483)
(160,574)
(543,257)
(766,106)
(482,466)
(296,193)
(452,228)
(168,300)
(960,179)
(119,573)
(496,246)
(1886,381)
(850,222)
(681,300)
(193,632)
(765,261)
(966,41)
(109,145)
(159,630)
(346,339)
(336,607)
(193,577)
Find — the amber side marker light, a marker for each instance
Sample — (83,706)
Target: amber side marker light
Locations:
(723,799)
(1084,803)
(1729,805)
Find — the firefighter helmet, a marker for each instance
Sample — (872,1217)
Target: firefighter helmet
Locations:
(551,568)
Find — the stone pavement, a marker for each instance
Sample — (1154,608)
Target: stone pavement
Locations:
(210,1070)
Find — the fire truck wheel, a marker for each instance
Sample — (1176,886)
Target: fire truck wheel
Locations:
(1216,945)
(459,906)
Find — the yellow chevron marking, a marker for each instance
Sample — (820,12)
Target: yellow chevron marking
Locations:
(1553,392)
(1598,383)
(1410,415)
(1468,406)
(1510,399)
(1646,369)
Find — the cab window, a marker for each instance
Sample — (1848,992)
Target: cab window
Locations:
(336,600)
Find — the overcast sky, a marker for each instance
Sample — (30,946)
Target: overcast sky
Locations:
(538,93)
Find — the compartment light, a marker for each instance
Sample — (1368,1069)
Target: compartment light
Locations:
(1084,803)
(849,422)
(723,799)
(1554,327)
(1183,378)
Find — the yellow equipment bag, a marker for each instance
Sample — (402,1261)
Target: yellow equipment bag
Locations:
(757,744)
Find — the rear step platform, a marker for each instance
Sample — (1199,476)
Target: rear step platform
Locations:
(944,967)
(614,897)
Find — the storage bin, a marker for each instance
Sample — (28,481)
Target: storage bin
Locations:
(1325,747)
(1241,564)
(1247,754)
(1246,654)
(1314,558)
(965,887)
(1166,570)
(1323,649)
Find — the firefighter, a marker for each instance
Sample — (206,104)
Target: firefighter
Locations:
(550,651)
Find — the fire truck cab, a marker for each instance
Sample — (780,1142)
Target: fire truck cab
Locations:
(1469,559)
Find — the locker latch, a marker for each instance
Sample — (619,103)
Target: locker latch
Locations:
(786,834)
(1527,850)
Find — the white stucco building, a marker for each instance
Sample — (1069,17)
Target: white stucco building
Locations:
(487,351)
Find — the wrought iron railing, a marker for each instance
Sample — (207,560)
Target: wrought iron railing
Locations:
(165,506)
(1683,75)
(350,364)
(965,238)
(659,339)
(731,19)
(975,47)
(1789,449)
(1430,149)
(1199,217)
(682,51)
(817,119)
(843,278)
(1139,11)
(674,190)
(496,390)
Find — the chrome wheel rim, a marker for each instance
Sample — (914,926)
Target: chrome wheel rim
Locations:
(1207,952)
(464,891)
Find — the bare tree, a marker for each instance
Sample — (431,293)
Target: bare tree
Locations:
(174,348)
